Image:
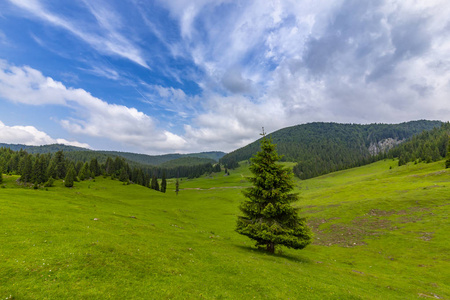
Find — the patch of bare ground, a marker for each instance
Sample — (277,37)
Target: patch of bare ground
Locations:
(373,223)
(347,235)
(426,236)
(429,174)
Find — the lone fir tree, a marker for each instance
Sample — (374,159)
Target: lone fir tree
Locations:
(269,218)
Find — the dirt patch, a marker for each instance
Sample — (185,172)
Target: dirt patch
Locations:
(347,235)
(426,236)
(385,213)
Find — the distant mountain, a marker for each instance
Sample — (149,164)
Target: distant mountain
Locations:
(84,155)
(43,149)
(320,148)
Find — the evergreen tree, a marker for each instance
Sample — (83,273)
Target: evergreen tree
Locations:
(60,164)
(26,168)
(269,219)
(123,175)
(177,187)
(95,168)
(1,177)
(447,162)
(155,184)
(163,183)
(70,177)
(39,174)
(49,182)
(84,172)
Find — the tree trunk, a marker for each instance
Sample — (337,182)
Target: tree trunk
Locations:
(271,247)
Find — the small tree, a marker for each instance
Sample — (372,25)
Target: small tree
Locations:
(1,177)
(177,187)
(83,174)
(447,162)
(70,177)
(163,183)
(269,219)
(155,184)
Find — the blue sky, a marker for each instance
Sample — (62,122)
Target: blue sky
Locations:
(187,76)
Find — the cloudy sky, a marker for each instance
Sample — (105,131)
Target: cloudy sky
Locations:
(196,75)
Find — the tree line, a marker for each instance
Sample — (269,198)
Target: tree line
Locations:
(428,146)
(43,169)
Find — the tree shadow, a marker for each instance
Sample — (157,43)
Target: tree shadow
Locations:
(262,252)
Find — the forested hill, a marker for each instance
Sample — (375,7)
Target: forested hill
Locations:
(320,148)
(84,155)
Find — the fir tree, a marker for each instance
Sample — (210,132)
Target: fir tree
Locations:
(1,177)
(26,168)
(84,172)
(269,219)
(447,162)
(154,184)
(163,183)
(123,176)
(60,164)
(177,187)
(70,177)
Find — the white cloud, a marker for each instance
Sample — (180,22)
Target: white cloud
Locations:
(351,62)
(94,117)
(108,40)
(29,135)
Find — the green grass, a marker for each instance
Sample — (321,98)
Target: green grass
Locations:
(380,233)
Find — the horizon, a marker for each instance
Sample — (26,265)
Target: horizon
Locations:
(186,77)
(212,151)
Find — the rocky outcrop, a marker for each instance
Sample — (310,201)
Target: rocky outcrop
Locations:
(383,145)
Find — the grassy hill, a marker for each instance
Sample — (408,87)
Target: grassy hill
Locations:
(380,233)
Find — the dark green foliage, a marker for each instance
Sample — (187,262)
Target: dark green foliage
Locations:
(1,177)
(163,183)
(70,177)
(177,186)
(49,182)
(217,168)
(269,218)
(321,148)
(186,161)
(123,175)
(60,164)
(155,184)
(427,146)
(94,167)
(39,170)
(84,172)
(26,168)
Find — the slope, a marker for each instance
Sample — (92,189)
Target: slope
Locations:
(381,233)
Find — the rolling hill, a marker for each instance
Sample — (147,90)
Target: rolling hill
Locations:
(379,234)
(321,148)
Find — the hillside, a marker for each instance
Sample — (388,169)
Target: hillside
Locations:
(84,155)
(379,234)
(321,148)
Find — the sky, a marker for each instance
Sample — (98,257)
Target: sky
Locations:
(183,76)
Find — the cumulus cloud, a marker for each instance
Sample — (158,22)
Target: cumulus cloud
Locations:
(353,61)
(94,117)
(30,135)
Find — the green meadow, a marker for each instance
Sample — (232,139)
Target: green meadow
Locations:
(380,233)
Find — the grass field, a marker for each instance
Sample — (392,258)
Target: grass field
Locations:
(380,233)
